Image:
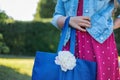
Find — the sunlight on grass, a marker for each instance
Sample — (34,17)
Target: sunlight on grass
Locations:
(22,66)
(45,20)
(16,68)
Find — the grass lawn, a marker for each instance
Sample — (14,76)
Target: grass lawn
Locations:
(15,68)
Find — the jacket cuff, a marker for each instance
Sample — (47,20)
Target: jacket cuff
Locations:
(54,20)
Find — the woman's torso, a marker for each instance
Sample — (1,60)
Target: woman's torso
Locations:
(100,12)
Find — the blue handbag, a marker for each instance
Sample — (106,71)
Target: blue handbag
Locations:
(45,67)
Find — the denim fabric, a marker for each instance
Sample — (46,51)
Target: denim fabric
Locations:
(100,12)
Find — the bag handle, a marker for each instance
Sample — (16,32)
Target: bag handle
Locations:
(72,40)
(63,35)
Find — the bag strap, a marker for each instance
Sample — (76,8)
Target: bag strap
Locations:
(63,35)
(72,41)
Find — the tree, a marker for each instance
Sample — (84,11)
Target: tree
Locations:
(3,16)
(3,47)
(45,9)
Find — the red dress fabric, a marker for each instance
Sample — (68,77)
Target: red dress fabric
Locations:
(105,54)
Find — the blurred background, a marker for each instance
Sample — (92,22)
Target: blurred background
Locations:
(24,29)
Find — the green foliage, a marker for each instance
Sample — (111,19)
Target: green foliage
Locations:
(117,36)
(3,48)
(1,36)
(28,37)
(3,16)
(117,12)
(25,38)
(6,49)
(45,9)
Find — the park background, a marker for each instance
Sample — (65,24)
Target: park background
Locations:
(19,40)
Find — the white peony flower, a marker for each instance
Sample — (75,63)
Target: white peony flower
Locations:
(66,60)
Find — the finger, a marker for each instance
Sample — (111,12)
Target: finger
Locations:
(85,21)
(84,24)
(86,17)
(80,28)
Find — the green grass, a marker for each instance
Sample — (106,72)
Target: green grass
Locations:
(15,68)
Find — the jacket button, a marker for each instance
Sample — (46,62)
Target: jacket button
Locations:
(101,38)
(86,11)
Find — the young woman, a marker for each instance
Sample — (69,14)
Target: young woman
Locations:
(95,41)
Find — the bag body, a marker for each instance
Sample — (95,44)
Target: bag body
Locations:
(84,70)
(45,67)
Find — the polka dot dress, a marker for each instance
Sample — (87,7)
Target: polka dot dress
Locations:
(105,54)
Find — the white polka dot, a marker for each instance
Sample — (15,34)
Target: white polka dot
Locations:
(79,41)
(113,62)
(88,51)
(83,36)
(83,46)
(103,62)
(79,51)
(97,46)
(112,52)
(103,52)
(108,58)
(87,41)
(118,78)
(83,56)
(115,49)
(108,47)
(113,73)
(108,68)
(108,78)
(99,57)
(103,73)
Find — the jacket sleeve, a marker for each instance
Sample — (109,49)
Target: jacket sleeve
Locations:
(102,23)
(59,11)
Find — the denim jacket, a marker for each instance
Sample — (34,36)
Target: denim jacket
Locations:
(100,12)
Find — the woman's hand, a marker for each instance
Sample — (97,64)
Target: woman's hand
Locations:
(80,22)
(117,23)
